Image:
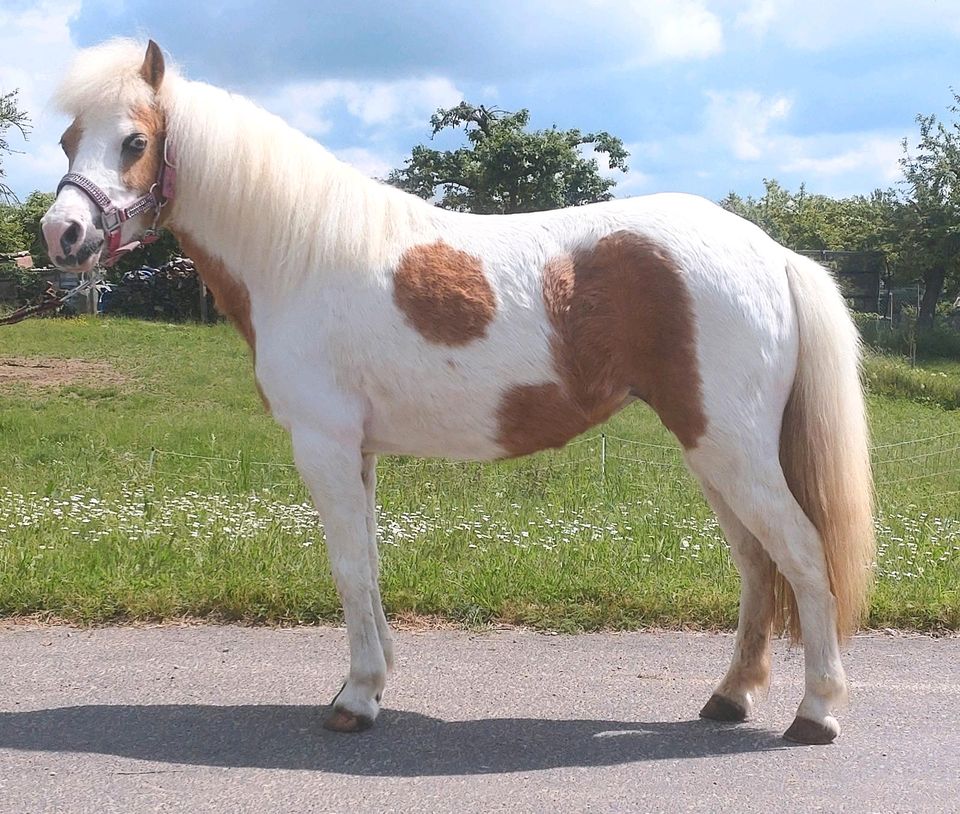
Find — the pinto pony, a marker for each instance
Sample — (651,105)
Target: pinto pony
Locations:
(381,324)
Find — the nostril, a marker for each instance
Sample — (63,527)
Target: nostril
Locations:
(70,236)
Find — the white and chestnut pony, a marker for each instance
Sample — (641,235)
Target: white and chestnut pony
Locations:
(382,324)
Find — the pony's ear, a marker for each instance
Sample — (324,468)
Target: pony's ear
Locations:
(152,68)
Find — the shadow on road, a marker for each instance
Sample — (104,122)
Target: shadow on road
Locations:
(403,744)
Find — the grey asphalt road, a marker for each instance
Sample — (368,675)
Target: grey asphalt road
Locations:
(227,719)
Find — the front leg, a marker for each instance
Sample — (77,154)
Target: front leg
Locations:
(333,469)
(370,485)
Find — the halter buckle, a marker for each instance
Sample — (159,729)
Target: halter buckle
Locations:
(111,220)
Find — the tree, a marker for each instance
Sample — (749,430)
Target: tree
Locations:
(29,214)
(506,168)
(10,116)
(12,238)
(804,221)
(929,222)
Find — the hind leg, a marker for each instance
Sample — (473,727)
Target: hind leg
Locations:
(751,482)
(749,673)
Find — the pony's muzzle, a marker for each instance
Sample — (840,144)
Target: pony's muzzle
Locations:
(71,243)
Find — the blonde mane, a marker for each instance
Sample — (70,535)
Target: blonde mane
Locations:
(251,187)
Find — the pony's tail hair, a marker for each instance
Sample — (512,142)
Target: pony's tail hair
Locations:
(824,446)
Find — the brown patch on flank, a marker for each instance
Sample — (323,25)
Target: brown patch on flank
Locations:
(544,416)
(40,372)
(622,327)
(443,294)
(70,140)
(143,171)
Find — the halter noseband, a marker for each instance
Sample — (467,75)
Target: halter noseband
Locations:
(113,216)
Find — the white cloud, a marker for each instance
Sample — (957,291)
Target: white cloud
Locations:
(745,123)
(745,137)
(742,120)
(35,49)
(667,32)
(680,30)
(875,155)
(369,162)
(758,17)
(650,33)
(404,103)
(818,25)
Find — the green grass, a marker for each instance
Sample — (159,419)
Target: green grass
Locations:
(935,382)
(92,530)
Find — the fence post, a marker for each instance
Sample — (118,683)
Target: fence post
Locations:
(603,457)
(153,454)
(204,316)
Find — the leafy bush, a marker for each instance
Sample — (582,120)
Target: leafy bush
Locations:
(26,286)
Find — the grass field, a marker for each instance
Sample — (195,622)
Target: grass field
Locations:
(214,522)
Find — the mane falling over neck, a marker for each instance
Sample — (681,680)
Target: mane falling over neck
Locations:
(252,186)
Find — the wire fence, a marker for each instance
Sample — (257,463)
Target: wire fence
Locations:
(904,471)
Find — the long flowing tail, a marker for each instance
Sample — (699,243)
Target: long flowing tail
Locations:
(824,445)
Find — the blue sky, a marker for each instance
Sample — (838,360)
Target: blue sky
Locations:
(710,96)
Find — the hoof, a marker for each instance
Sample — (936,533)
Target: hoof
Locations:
(719,708)
(340,720)
(803,730)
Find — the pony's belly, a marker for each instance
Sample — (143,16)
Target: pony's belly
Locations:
(460,432)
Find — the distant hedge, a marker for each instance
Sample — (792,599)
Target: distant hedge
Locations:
(170,293)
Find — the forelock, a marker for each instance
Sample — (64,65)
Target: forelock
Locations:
(106,75)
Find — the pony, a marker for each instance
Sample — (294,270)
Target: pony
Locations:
(381,324)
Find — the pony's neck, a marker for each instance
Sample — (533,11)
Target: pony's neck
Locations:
(270,201)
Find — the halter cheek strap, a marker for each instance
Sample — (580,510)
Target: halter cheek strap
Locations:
(113,216)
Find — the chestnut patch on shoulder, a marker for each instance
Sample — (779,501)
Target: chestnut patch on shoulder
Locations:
(622,326)
(443,294)
(144,170)
(229,293)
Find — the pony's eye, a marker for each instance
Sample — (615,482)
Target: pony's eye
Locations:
(135,143)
